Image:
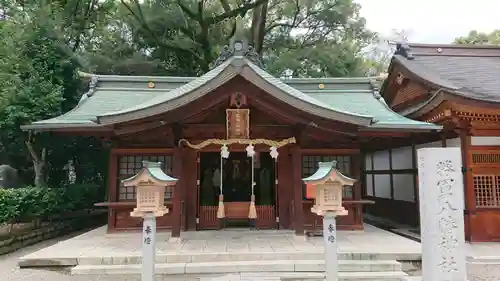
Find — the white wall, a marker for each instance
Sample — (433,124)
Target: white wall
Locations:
(382,186)
(404,187)
(404,184)
(429,144)
(368,162)
(402,158)
(453,142)
(369,185)
(381,160)
(487,141)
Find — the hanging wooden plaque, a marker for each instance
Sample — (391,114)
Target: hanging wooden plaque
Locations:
(238,123)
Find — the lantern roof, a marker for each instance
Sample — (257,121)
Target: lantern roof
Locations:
(153,172)
(327,172)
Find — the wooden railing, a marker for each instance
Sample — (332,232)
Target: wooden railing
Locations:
(266,215)
(208,217)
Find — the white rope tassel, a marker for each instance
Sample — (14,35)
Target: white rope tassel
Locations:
(224,153)
(252,212)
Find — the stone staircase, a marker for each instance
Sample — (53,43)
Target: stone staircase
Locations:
(286,266)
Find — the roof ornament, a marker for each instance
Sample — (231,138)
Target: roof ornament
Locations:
(239,47)
(404,50)
(254,57)
(224,55)
(92,88)
(92,85)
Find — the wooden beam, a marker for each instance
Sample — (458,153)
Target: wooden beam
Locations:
(383,134)
(127,130)
(391,177)
(469,196)
(177,132)
(141,151)
(414,165)
(298,197)
(178,192)
(330,151)
(112,188)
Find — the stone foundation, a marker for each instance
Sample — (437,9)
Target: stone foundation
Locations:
(25,234)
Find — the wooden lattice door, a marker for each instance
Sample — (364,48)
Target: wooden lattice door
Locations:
(485,168)
(207,212)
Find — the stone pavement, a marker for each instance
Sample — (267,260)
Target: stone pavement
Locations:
(9,271)
(210,245)
(484,268)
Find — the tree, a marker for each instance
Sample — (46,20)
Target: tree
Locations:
(38,80)
(44,42)
(311,38)
(480,38)
(381,52)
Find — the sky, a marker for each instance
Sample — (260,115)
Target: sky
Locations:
(431,21)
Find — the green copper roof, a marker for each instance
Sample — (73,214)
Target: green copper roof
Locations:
(154,169)
(112,99)
(220,75)
(324,170)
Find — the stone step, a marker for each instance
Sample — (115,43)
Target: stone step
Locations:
(241,266)
(316,276)
(278,276)
(209,257)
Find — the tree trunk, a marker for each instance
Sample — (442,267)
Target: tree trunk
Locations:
(39,168)
(38,163)
(259,26)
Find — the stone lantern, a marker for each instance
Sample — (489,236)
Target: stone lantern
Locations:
(150,185)
(328,183)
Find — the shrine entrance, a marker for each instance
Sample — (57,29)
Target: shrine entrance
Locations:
(234,180)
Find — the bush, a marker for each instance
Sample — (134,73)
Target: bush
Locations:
(31,203)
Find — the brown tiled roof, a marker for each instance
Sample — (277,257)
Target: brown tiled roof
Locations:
(471,71)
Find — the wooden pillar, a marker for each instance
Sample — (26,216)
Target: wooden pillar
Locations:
(112,188)
(469,195)
(391,175)
(414,166)
(297,190)
(356,174)
(190,173)
(443,139)
(285,182)
(178,193)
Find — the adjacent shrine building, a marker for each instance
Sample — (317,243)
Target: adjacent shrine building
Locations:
(457,87)
(184,122)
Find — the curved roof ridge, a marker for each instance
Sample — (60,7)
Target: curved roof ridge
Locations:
(300,95)
(381,100)
(178,92)
(85,97)
(236,65)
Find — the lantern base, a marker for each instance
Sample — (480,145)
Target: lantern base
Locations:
(322,211)
(156,213)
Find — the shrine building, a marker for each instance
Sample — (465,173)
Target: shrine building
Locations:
(457,87)
(203,129)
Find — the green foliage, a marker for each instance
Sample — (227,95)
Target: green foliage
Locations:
(29,203)
(480,38)
(39,59)
(44,43)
